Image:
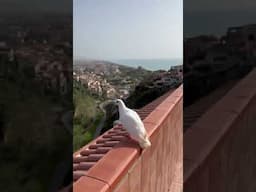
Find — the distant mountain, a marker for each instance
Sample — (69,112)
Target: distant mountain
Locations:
(89,62)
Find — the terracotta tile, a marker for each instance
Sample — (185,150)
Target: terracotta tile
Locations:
(84,165)
(87,184)
(86,147)
(87,152)
(80,159)
(75,166)
(110,143)
(78,174)
(118,137)
(103,150)
(103,140)
(115,163)
(107,136)
(94,157)
(95,146)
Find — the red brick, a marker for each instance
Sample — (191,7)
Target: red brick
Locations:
(115,163)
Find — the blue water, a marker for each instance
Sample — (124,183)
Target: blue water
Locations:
(150,64)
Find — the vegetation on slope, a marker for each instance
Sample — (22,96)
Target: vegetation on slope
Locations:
(31,142)
(86,116)
(145,93)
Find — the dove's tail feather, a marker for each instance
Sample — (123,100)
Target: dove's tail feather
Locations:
(145,143)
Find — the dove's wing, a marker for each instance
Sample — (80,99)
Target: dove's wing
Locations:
(137,117)
(133,124)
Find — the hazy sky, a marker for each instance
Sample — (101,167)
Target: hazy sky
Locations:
(215,16)
(35,6)
(128,29)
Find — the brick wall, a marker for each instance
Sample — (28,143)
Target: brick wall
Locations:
(126,168)
(159,167)
(219,149)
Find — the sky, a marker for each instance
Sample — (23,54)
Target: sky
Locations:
(35,6)
(127,29)
(215,16)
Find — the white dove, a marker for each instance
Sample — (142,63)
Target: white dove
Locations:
(131,121)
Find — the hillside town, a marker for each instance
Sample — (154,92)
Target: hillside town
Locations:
(236,47)
(96,84)
(111,80)
(29,49)
(211,60)
(170,78)
(36,97)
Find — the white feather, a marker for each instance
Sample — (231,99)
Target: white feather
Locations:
(133,124)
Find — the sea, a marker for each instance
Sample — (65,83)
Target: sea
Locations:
(150,64)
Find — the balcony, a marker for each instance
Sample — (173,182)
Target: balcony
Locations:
(219,148)
(112,162)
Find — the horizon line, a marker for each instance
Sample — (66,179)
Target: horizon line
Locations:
(106,59)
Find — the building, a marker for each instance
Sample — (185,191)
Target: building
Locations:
(242,38)
(196,47)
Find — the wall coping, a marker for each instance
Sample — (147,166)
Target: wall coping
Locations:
(205,134)
(121,153)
